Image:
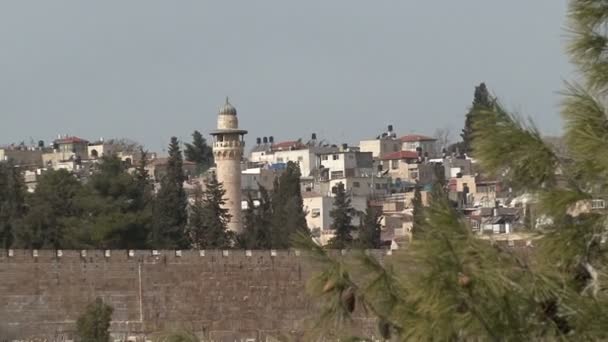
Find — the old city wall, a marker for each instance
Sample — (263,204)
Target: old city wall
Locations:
(220,295)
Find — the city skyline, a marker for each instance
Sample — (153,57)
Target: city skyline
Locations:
(341,71)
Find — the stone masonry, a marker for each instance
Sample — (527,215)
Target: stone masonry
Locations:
(231,295)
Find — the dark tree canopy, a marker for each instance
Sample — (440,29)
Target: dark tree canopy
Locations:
(341,214)
(370,230)
(199,152)
(170,207)
(257,223)
(12,201)
(288,216)
(209,217)
(481,99)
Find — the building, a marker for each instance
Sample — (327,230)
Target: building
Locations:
(267,152)
(384,143)
(427,146)
(66,149)
(345,163)
(228,146)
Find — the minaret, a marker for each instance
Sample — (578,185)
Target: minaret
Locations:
(228,145)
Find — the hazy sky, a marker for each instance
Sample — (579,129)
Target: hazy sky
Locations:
(344,69)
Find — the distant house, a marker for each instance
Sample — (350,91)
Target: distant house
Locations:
(157,168)
(420,143)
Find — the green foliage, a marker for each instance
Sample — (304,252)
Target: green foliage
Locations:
(288,217)
(257,223)
(370,230)
(506,147)
(94,323)
(341,215)
(417,212)
(50,221)
(12,201)
(175,335)
(170,214)
(208,219)
(481,99)
(199,152)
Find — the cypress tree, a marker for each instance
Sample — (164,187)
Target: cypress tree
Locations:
(12,201)
(341,215)
(257,223)
(170,207)
(370,230)
(417,212)
(209,219)
(481,99)
(288,217)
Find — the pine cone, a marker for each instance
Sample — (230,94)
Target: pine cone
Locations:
(329,285)
(348,299)
(464,280)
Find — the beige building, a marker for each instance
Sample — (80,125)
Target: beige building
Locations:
(380,147)
(318,208)
(25,157)
(228,145)
(414,142)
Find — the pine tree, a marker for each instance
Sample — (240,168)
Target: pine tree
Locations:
(199,152)
(417,212)
(370,230)
(170,207)
(12,201)
(341,215)
(209,218)
(451,285)
(288,217)
(94,324)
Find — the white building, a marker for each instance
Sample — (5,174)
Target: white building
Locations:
(427,145)
(345,164)
(290,151)
(318,208)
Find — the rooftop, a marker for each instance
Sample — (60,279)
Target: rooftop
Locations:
(400,155)
(71,140)
(416,137)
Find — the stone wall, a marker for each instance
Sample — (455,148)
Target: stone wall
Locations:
(221,295)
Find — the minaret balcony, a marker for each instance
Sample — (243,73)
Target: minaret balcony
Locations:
(229,144)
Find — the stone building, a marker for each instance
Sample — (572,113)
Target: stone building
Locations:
(228,145)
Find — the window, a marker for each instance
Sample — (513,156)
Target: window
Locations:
(336,157)
(315,212)
(337,174)
(324,157)
(300,158)
(279,160)
(394,164)
(598,204)
(356,184)
(350,156)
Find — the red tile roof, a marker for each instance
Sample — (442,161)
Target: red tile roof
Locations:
(71,140)
(416,137)
(284,145)
(400,155)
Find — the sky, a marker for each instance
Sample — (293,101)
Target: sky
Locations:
(344,69)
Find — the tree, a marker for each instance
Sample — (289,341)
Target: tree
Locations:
(481,100)
(209,218)
(341,216)
(370,230)
(199,152)
(257,223)
(54,213)
(94,324)
(12,201)
(460,287)
(417,212)
(288,216)
(170,207)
